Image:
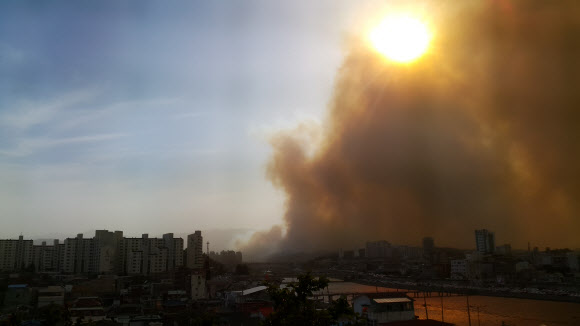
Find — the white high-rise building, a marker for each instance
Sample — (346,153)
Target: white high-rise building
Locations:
(485,241)
(174,251)
(80,255)
(107,244)
(15,254)
(108,252)
(195,250)
(47,258)
(150,255)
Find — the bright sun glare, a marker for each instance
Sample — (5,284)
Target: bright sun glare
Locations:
(401,38)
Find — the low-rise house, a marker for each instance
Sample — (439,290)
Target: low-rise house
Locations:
(87,308)
(53,294)
(176,301)
(243,296)
(380,308)
(122,314)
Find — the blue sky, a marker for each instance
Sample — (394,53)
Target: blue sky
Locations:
(154,116)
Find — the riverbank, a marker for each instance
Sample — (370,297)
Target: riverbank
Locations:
(469,291)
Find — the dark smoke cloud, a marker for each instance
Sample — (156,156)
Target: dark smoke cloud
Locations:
(483,132)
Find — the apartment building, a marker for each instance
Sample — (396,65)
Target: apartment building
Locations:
(485,241)
(80,255)
(107,252)
(47,258)
(15,254)
(195,250)
(150,255)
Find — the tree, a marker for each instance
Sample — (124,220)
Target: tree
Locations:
(341,310)
(292,306)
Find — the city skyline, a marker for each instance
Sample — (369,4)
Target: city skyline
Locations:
(484,242)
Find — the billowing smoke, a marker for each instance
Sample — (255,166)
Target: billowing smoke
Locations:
(482,132)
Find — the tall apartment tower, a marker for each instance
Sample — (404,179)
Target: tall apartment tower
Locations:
(15,254)
(195,250)
(47,258)
(107,250)
(147,255)
(80,256)
(485,241)
(174,251)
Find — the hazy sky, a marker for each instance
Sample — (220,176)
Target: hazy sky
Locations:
(150,116)
(155,117)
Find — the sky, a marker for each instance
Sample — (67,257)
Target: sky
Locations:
(275,126)
(151,117)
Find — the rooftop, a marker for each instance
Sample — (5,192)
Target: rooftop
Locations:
(391,300)
(254,290)
(382,295)
(17,286)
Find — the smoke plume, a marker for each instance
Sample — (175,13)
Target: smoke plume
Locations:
(482,132)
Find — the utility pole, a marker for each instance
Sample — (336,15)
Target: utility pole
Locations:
(468,313)
(425,300)
(442,318)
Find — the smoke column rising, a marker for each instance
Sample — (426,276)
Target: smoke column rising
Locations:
(482,132)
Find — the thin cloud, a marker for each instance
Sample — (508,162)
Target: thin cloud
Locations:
(30,146)
(28,114)
(109,111)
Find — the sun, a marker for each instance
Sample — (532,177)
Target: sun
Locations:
(402,39)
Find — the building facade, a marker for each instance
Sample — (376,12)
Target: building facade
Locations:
(107,250)
(198,287)
(459,269)
(80,256)
(47,258)
(150,255)
(379,249)
(485,241)
(195,250)
(106,253)
(16,254)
